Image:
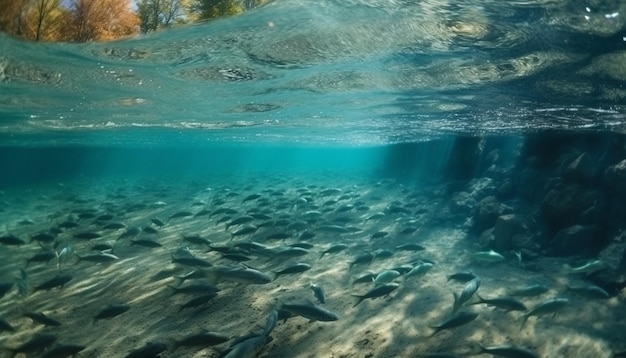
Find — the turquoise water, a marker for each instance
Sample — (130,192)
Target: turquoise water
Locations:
(332,72)
(460,127)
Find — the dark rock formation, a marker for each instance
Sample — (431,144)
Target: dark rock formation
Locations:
(574,240)
(487,212)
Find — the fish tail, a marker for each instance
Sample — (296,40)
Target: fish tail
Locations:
(480,299)
(524,319)
(358,299)
(435,331)
(455,305)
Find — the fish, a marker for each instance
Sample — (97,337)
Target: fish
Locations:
(11,240)
(248,347)
(150,230)
(504,351)
(588,268)
(302,245)
(180,215)
(243,275)
(203,212)
(334,249)
(386,276)
(64,255)
(22,283)
(64,351)
(310,311)
(383,254)
(251,197)
(194,274)
(198,301)
(290,252)
(295,268)
(505,303)
(103,246)
(40,317)
(158,222)
(333,229)
(419,270)
(270,322)
(590,291)
(378,291)
(366,278)
(203,288)
(43,237)
(260,216)
(197,239)
(37,343)
(150,350)
(57,281)
(245,230)
(98,257)
(363,259)
(468,291)
(202,339)
(111,311)
(87,235)
(529,291)
(145,243)
(329,192)
(114,226)
(549,306)
(487,256)
(379,234)
(318,292)
(130,232)
(105,217)
(239,220)
(5,326)
(408,230)
(410,247)
(458,319)
(190,261)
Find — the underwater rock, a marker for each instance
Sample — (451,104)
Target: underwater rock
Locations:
(564,204)
(507,226)
(506,190)
(574,240)
(487,212)
(462,202)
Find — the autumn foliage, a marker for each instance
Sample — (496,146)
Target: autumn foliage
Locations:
(74,20)
(104,20)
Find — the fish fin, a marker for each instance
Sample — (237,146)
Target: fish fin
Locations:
(524,319)
(173,289)
(475,349)
(455,306)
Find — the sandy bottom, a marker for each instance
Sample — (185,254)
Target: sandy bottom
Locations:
(395,326)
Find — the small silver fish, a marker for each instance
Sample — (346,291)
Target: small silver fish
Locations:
(318,291)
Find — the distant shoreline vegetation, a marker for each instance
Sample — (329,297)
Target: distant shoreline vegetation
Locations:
(106,20)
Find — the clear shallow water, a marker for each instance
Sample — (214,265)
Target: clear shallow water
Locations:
(333,72)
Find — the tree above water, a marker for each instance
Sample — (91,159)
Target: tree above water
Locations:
(103,20)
